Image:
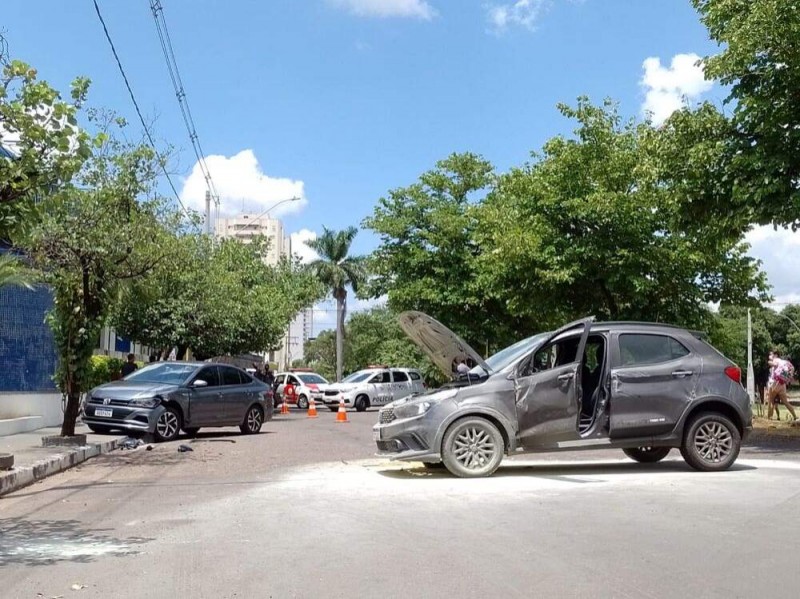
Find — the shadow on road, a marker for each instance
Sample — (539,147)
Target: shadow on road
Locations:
(46,542)
(561,471)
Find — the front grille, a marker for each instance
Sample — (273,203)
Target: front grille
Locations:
(387,446)
(99,401)
(331,393)
(386,415)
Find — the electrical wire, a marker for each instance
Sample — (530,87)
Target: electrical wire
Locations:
(136,106)
(180,93)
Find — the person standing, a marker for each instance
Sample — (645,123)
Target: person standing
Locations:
(463,368)
(781,373)
(129,366)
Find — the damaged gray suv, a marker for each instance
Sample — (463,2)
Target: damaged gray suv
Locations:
(643,388)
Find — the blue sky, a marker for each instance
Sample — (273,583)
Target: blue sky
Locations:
(342,100)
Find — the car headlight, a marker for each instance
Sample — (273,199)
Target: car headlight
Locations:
(412,409)
(145,402)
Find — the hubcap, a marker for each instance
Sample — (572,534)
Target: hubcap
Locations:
(254,420)
(713,442)
(474,448)
(167,425)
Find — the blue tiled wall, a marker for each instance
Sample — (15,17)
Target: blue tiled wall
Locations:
(27,351)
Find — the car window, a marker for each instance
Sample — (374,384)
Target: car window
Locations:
(358,377)
(399,376)
(381,377)
(292,380)
(312,379)
(414,376)
(230,376)
(279,379)
(557,353)
(638,349)
(167,373)
(209,374)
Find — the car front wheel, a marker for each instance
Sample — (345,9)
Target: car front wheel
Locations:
(711,442)
(472,447)
(168,425)
(302,402)
(647,455)
(361,404)
(252,421)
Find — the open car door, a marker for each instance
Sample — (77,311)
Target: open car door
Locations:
(548,387)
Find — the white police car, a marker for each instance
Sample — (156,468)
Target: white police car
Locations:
(373,386)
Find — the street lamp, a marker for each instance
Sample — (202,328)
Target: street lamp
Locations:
(789,319)
(271,208)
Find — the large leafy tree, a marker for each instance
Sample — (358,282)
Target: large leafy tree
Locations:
(215,297)
(428,257)
(41,144)
(760,63)
(337,270)
(89,238)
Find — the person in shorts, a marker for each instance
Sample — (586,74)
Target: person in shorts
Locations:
(781,373)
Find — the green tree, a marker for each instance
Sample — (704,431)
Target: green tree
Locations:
(428,257)
(589,227)
(760,63)
(215,297)
(44,146)
(320,354)
(337,270)
(89,238)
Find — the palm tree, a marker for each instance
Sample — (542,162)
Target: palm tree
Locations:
(14,272)
(336,270)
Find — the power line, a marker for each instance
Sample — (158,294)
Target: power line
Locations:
(136,105)
(180,93)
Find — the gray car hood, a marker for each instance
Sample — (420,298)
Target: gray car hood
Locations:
(131,390)
(440,344)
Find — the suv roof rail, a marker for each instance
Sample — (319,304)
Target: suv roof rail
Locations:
(636,323)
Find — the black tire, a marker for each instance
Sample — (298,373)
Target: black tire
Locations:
(100,430)
(333,408)
(168,425)
(711,442)
(647,455)
(191,431)
(302,402)
(252,421)
(470,440)
(362,403)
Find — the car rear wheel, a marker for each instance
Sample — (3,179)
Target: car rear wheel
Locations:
(711,442)
(362,403)
(192,431)
(302,402)
(472,447)
(252,421)
(168,425)
(647,455)
(100,430)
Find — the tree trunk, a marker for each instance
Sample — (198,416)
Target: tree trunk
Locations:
(340,311)
(71,414)
(180,355)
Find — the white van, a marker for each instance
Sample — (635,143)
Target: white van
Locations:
(373,387)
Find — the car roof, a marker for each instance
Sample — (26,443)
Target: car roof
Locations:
(632,325)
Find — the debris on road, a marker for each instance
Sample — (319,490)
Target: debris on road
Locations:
(184,448)
(131,443)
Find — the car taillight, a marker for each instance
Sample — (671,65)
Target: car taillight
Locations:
(734,373)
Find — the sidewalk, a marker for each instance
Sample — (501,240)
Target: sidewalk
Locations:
(33,462)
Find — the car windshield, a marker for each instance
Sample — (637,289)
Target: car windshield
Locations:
(509,355)
(313,379)
(358,377)
(168,374)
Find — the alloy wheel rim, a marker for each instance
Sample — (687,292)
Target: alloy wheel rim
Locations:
(474,448)
(254,420)
(713,441)
(167,425)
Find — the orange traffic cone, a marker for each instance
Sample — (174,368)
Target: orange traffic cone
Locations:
(312,408)
(341,415)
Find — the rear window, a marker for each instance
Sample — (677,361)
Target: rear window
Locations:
(414,376)
(400,377)
(231,376)
(649,349)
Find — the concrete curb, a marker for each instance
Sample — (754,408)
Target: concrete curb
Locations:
(26,475)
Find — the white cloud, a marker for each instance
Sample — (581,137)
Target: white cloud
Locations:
(299,247)
(776,250)
(668,89)
(242,186)
(521,13)
(418,9)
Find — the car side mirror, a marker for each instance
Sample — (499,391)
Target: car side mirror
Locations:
(199,383)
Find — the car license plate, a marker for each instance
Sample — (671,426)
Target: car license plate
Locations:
(376,434)
(104,413)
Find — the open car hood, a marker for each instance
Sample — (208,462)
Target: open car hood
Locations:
(441,344)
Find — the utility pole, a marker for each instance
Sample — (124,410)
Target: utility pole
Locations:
(208,212)
(751,383)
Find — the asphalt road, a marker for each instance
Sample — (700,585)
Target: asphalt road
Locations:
(305,510)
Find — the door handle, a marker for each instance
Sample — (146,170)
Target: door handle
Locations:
(565,377)
(679,374)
